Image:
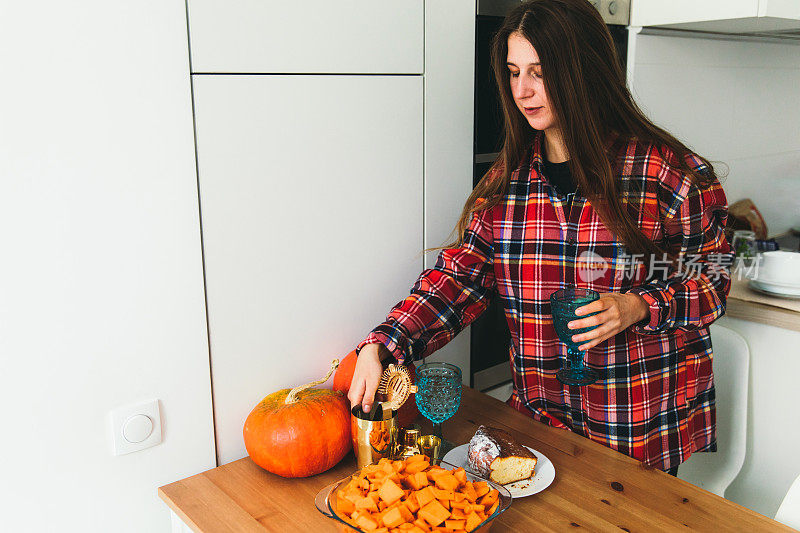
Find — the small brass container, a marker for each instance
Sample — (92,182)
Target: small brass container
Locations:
(407,444)
(374,434)
(431,447)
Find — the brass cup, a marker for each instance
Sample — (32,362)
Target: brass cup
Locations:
(373,439)
(431,447)
(407,443)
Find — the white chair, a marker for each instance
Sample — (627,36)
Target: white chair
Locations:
(715,471)
(789,511)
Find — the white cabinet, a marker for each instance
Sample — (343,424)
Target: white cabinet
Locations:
(311,204)
(771,463)
(311,154)
(725,16)
(308,36)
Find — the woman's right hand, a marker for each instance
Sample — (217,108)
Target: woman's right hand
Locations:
(366,376)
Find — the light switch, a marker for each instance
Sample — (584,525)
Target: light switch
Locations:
(135,427)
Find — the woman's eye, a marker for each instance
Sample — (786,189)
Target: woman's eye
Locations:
(537,75)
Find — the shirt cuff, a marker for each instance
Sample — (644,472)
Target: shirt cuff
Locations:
(658,302)
(376,337)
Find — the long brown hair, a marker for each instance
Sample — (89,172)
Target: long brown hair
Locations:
(586,88)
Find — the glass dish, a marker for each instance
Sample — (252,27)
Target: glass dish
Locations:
(326,500)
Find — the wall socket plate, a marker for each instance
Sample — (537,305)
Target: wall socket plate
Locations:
(135,427)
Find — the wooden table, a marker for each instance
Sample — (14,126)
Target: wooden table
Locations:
(595,488)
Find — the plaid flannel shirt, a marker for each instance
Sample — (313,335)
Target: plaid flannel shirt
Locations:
(655,397)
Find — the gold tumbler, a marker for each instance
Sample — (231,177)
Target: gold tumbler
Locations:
(374,434)
(431,447)
(407,443)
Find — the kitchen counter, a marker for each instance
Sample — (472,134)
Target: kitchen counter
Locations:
(755,307)
(595,487)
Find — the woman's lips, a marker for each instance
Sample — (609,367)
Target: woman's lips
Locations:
(532,110)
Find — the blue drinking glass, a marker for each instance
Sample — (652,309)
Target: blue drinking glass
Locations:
(563,304)
(438,395)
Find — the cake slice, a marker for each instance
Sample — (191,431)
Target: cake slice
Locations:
(494,454)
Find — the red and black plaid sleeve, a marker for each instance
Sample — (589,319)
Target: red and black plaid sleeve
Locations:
(691,293)
(444,299)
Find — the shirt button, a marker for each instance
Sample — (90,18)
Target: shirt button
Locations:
(570,241)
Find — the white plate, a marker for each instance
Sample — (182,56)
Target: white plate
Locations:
(777,285)
(774,289)
(543,474)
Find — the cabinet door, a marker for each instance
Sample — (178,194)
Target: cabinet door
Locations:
(312,36)
(311,205)
(659,12)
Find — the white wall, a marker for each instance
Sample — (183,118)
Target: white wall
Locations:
(735,102)
(101,287)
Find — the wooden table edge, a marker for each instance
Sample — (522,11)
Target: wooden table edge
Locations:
(177,510)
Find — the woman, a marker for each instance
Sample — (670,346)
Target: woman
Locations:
(589,192)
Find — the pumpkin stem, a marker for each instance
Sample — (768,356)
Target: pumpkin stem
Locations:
(292,396)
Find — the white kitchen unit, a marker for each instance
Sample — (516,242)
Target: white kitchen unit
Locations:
(725,16)
(449,94)
(311,199)
(311,36)
(772,462)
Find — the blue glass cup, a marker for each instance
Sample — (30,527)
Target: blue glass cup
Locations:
(438,395)
(563,304)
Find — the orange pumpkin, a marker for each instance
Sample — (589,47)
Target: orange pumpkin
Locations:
(299,432)
(407,413)
(344,374)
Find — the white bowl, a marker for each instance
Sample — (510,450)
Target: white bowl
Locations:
(779,267)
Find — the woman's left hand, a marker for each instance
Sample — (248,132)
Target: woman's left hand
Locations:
(615,312)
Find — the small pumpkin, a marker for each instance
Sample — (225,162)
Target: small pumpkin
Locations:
(299,432)
(407,413)
(344,374)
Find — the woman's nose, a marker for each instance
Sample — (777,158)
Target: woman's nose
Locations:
(522,86)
